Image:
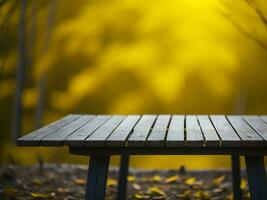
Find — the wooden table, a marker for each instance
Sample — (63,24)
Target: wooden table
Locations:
(101,136)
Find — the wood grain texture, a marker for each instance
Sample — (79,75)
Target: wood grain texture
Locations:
(264,118)
(176,132)
(79,136)
(98,137)
(226,132)
(151,131)
(60,134)
(34,138)
(210,134)
(141,130)
(119,136)
(258,125)
(248,136)
(194,135)
(159,130)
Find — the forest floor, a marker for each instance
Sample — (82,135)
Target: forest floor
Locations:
(67,182)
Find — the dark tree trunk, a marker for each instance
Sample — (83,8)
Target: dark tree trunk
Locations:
(16,129)
(32,34)
(42,81)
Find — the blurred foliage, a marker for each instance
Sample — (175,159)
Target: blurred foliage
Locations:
(136,56)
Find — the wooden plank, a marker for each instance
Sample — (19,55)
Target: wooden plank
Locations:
(99,137)
(141,130)
(248,136)
(79,136)
(226,132)
(264,118)
(159,130)
(210,134)
(194,135)
(57,138)
(33,139)
(176,134)
(258,125)
(120,134)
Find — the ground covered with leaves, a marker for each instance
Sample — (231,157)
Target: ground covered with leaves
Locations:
(64,181)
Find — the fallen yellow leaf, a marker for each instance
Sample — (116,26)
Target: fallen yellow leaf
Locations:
(186,194)
(190,181)
(63,190)
(131,178)
(39,195)
(217,190)
(172,179)
(218,180)
(141,196)
(230,196)
(136,186)
(80,181)
(156,178)
(156,191)
(203,195)
(198,194)
(247,195)
(243,184)
(112,182)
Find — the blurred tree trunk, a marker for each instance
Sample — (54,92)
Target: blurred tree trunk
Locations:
(3,31)
(32,34)
(16,129)
(41,84)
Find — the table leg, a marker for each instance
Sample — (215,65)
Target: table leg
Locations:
(123,173)
(256,177)
(97,178)
(236,177)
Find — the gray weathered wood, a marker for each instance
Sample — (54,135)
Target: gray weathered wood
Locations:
(210,134)
(33,139)
(141,130)
(59,135)
(264,117)
(120,134)
(99,137)
(151,130)
(78,137)
(158,133)
(258,125)
(194,135)
(225,130)
(248,136)
(176,134)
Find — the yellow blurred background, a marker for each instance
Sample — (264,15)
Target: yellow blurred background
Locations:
(132,56)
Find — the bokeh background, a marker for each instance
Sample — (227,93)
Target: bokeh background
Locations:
(125,57)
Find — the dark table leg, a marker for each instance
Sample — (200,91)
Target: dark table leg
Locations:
(236,177)
(124,168)
(97,178)
(256,177)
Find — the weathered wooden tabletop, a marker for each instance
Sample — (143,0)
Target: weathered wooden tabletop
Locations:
(151,131)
